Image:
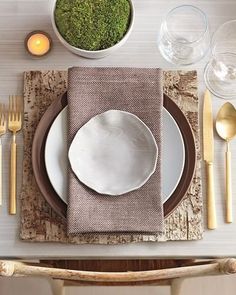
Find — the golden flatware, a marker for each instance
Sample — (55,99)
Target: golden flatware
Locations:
(226,128)
(3,128)
(14,125)
(208,154)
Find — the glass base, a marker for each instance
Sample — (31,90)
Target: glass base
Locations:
(184,58)
(219,88)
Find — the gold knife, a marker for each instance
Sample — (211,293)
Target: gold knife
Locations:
(208,155)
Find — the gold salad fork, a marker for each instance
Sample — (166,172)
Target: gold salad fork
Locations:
(14,125)
(3,127)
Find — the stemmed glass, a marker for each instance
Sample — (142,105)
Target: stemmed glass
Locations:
(220,72)
(184,35)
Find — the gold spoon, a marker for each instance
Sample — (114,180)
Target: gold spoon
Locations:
(226,128)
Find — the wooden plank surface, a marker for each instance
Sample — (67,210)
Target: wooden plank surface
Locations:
(17,18)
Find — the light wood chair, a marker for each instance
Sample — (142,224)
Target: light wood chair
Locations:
(171,275)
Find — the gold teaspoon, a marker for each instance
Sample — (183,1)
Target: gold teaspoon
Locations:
(226,128)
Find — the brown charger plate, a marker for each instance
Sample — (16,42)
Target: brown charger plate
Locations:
(44,184)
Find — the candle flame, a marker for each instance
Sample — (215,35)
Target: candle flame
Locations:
(38,42)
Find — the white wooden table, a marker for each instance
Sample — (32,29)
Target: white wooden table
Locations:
(17,18)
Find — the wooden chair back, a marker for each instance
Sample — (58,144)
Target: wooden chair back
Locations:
(157,276)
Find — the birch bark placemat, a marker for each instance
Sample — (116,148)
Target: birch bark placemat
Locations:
(40,223)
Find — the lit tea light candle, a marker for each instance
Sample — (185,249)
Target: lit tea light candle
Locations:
(38,43)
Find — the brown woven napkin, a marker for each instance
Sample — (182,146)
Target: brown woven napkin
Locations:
(95,90)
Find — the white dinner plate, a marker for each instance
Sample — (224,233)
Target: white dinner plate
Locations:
(56,155)
(113,153)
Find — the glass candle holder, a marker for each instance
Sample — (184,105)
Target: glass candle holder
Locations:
(184,35)
(220,72)
(38,43)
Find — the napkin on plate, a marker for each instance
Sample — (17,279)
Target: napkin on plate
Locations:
(95,90)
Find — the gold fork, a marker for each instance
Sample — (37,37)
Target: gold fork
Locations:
(3,127)
(14,125)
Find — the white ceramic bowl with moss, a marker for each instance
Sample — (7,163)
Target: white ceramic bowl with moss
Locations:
(92,53)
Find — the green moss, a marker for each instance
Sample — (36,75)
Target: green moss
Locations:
(92,24)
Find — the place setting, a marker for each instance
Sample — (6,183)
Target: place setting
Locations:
(49,146)
(112,155)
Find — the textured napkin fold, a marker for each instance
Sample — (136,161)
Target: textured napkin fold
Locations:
(95,90)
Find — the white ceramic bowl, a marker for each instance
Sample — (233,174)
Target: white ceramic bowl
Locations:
(95,53)
(113,153)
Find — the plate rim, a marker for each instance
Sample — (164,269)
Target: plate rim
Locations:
(50,195)
(190,153)
(182,166)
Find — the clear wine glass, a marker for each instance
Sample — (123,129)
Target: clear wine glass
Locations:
(184,35)
(220,72)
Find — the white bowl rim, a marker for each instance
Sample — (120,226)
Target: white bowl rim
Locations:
(94,51)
